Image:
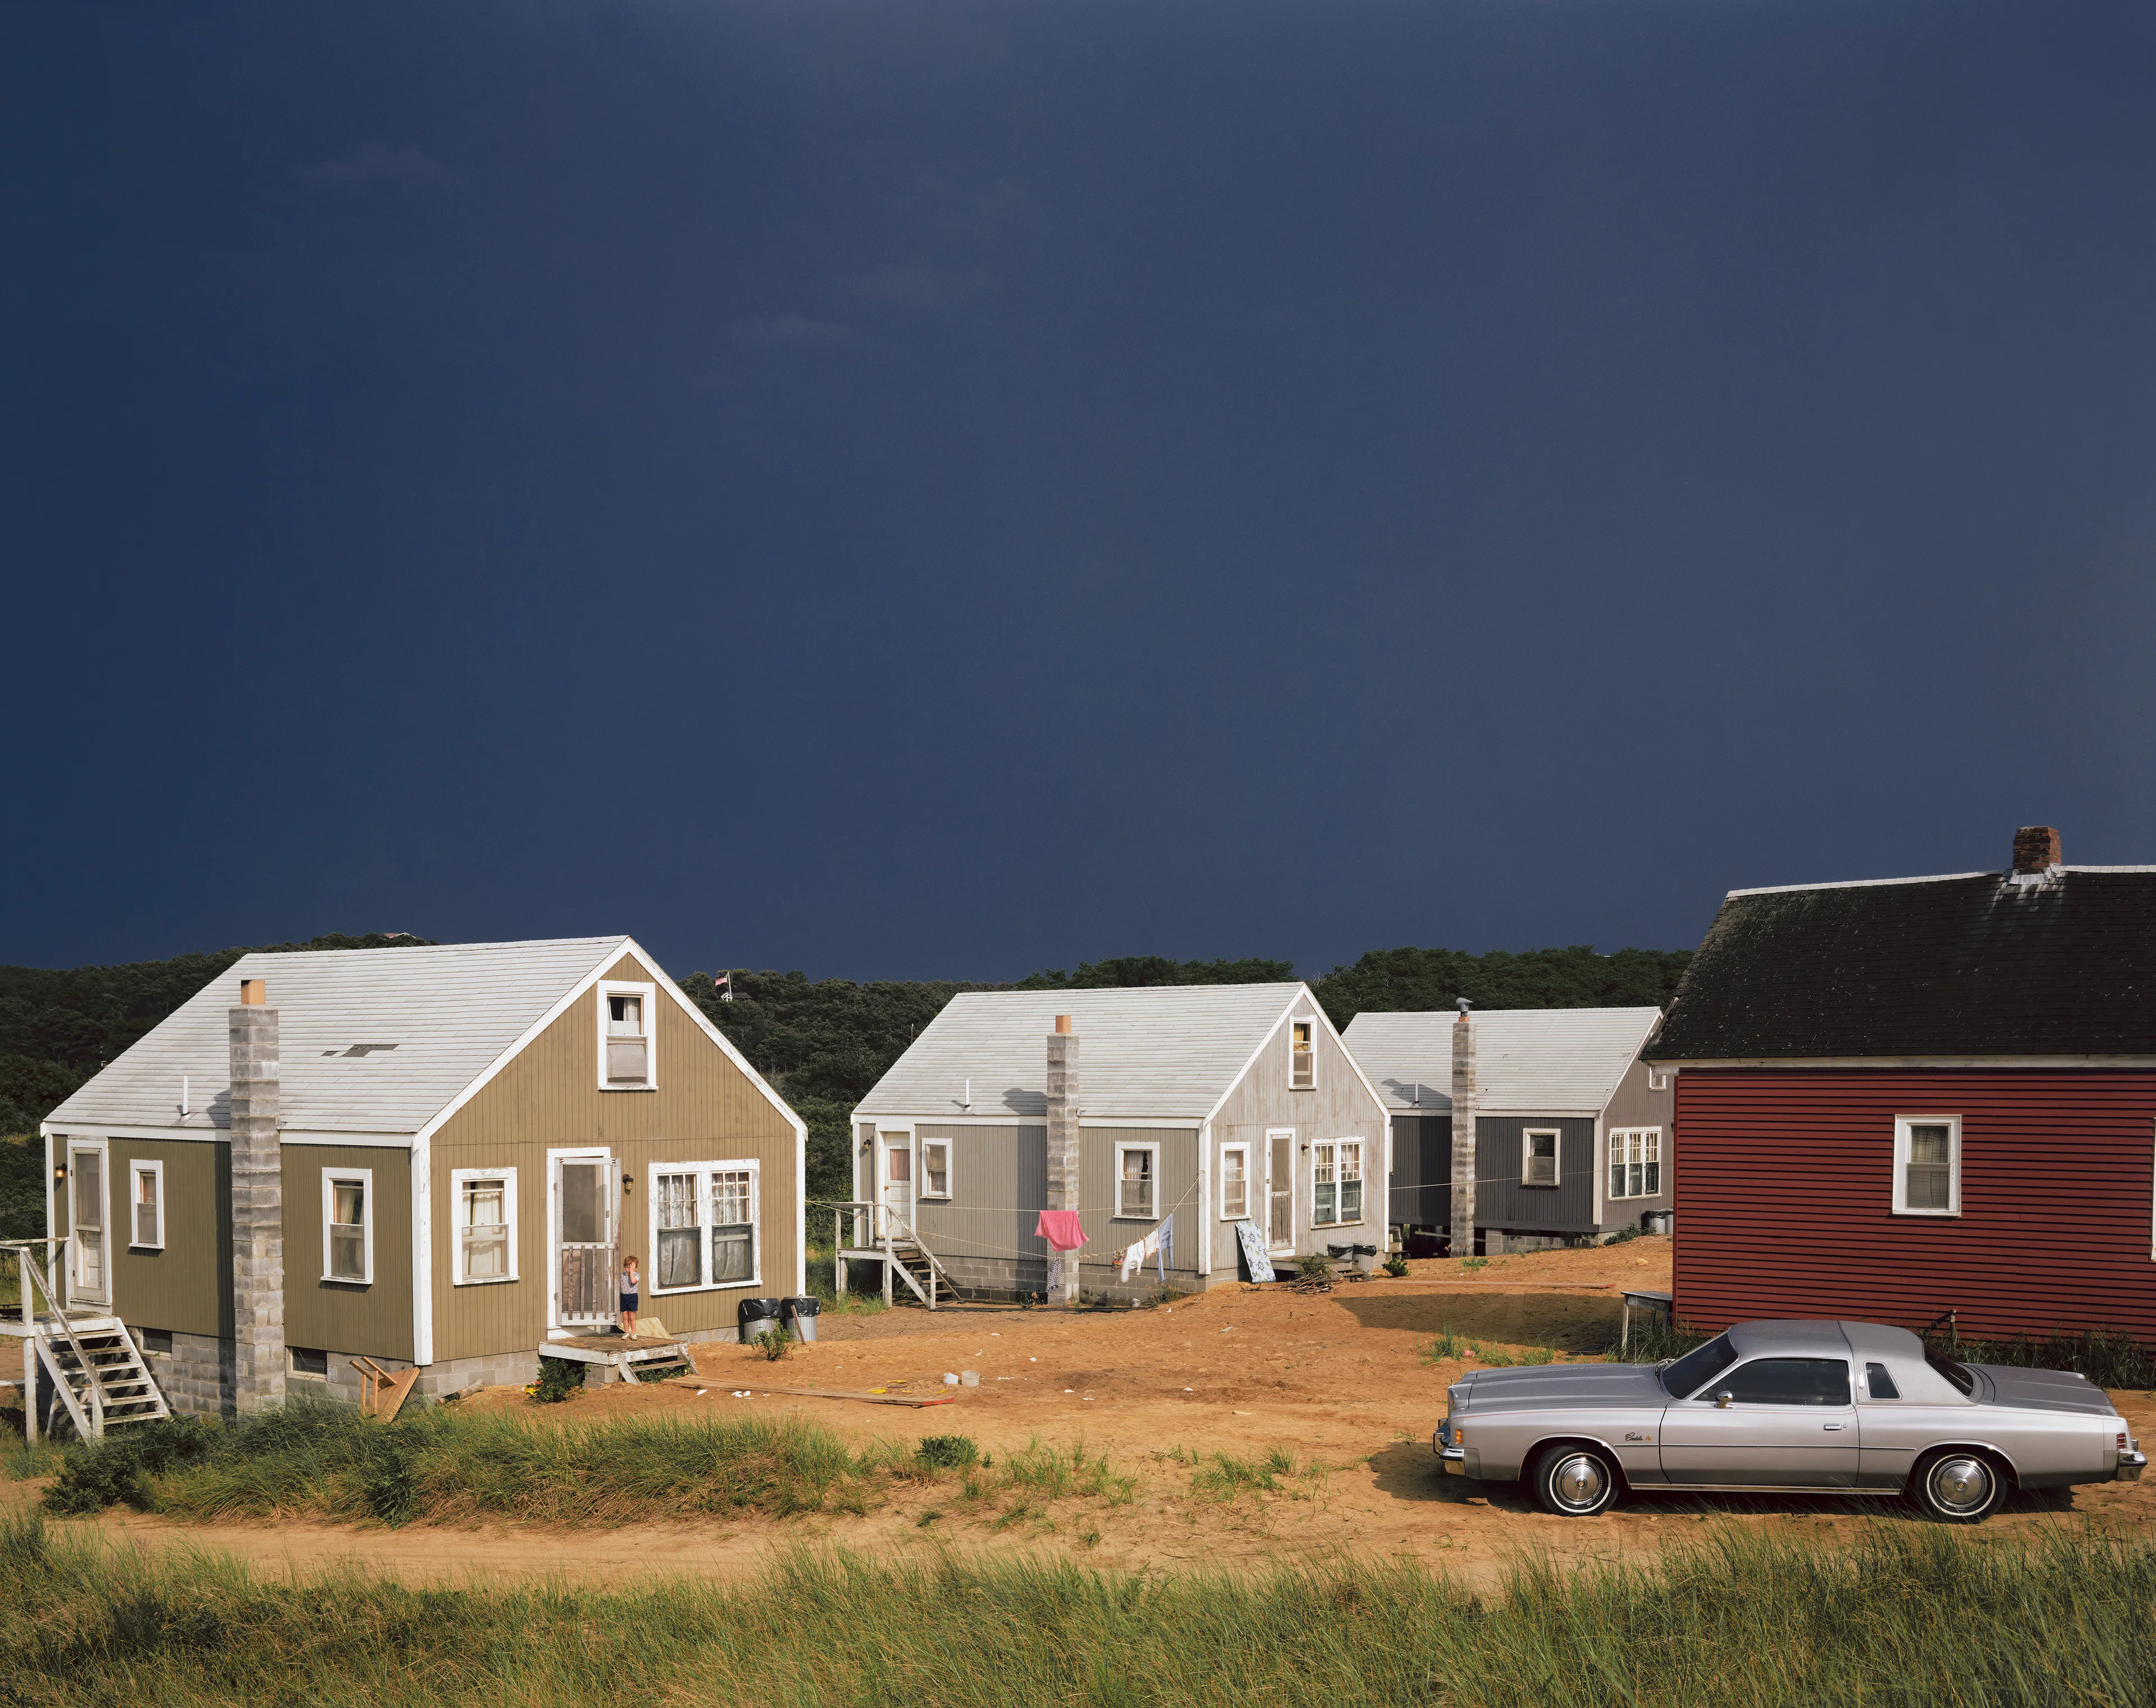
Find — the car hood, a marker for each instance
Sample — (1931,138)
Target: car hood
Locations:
(1559,1386)
(2041,1390)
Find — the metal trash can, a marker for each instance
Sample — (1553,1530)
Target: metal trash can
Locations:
(757,1316)
(800,1317)
(1660,1221)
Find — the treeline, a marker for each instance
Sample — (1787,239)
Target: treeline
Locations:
(822,1042)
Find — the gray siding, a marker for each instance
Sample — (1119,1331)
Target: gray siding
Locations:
(1502,1202)
(1634,1105)
(1338,1108)
(984,1234)
(1421,1193)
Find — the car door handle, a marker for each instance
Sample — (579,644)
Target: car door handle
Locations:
(1834,1426)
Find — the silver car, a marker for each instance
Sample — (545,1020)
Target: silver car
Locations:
(1847,1408)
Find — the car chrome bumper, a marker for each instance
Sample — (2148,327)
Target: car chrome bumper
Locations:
(2131,1464)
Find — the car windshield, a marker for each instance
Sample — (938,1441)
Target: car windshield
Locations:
(1960,1375)
(1700,1367)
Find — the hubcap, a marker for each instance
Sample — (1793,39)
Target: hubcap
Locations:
(1578,1482)
(1961,1484)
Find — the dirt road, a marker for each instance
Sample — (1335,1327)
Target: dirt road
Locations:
(1340,1381)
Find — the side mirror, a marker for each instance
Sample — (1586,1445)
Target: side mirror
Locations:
(1724,1400)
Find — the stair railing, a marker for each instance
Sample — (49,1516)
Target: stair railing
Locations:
(34,1283)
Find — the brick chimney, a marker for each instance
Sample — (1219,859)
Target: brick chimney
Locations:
(2037,848)
(1462,1223)
(257,1204)
(1064,1189)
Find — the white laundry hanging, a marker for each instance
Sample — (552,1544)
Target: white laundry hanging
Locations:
(1157,1243)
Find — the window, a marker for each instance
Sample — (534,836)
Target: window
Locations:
(145,1202)
(1136,1167)
(703,1225)
(1538,1157)
(1691,1373)
(155,1341)
(1879,1383)
(936,1168)
(1785,1382)
(348,1225)
(1301,1055)
(1927,1165)
(625,1037)
(309,1361)
(1234,1182)
(485,1205)
(1336,1183)
(1636,1163)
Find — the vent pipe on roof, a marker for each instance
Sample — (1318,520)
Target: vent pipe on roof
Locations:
(258,1206)
(1063,1190)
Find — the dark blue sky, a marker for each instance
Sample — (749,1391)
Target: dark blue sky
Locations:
(946,490)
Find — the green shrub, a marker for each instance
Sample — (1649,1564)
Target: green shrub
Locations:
(1396,1265)
(116,1471)
(1314,1267)
(774,1343)
(1447,1345)
(559,1379)
(947,1452)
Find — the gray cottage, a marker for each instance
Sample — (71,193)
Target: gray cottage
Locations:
(1181,1110)
(1572,1134)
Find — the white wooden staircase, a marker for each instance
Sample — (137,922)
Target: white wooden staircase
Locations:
(898,1248)
(85,1356)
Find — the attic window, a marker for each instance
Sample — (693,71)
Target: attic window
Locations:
(1303,1056)
(625,1037)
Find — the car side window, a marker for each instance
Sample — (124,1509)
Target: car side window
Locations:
(1786,1381)
(1879,1384)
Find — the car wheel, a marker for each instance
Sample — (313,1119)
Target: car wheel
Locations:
(1956,1486)
(1575,1482)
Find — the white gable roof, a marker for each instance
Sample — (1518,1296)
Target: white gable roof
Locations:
(1156,1052)
(1527,1061)
(450,1011)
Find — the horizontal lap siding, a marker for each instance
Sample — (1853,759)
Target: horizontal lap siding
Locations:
(1784,1206)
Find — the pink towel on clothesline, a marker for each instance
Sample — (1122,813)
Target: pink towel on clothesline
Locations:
(1060,1229)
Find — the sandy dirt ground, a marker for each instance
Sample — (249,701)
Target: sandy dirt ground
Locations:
(1340,1381)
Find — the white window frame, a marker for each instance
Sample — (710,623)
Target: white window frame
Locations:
(704,1223)
(1123,1147)
(137,1166)
(364,1177)
(1327,1153)
(1528,1157)
(1902,1142)
(649,993)
(458,1178)
(1241,1149)
(921,1149)
(1619,1143)
(1294,1021)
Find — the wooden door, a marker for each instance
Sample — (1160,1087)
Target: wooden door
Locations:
(585,1241)
(898,1182)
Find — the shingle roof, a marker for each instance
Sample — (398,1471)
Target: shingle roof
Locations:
(1156,1052)
(1969,966)
(450,1011)
(1527,1061)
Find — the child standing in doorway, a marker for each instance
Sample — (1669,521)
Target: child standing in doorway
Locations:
(628,1289)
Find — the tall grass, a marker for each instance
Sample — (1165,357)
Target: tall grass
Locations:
(1918,1617)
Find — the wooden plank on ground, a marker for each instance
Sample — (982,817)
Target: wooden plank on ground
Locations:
(914,1400)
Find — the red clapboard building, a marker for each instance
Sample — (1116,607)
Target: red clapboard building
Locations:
(1905,1097)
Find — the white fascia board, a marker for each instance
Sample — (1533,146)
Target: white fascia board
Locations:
(1295,1005)
(101,1129)
(631,947)
(1539,1112)
(1688,1064)
(325,1135)
(1304,1003)
(1318,1008)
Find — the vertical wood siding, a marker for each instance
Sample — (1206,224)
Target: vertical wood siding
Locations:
(341,1317)
(1422,1170)
(705,1110)
(188,1286)
(998,1189)
(1176,1189)
(1338,1108)
(1502,1202)
(1784,1207)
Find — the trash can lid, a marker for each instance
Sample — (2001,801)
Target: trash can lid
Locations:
(806,1305)
(759,1307)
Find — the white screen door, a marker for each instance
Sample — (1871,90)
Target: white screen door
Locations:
(584,1240)
(87,1176)
(1279,1191)
(898,1180)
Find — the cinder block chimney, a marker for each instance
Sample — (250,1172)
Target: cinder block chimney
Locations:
(1064,1190)
(257,1204)
(1462,1225)
(2037,848)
